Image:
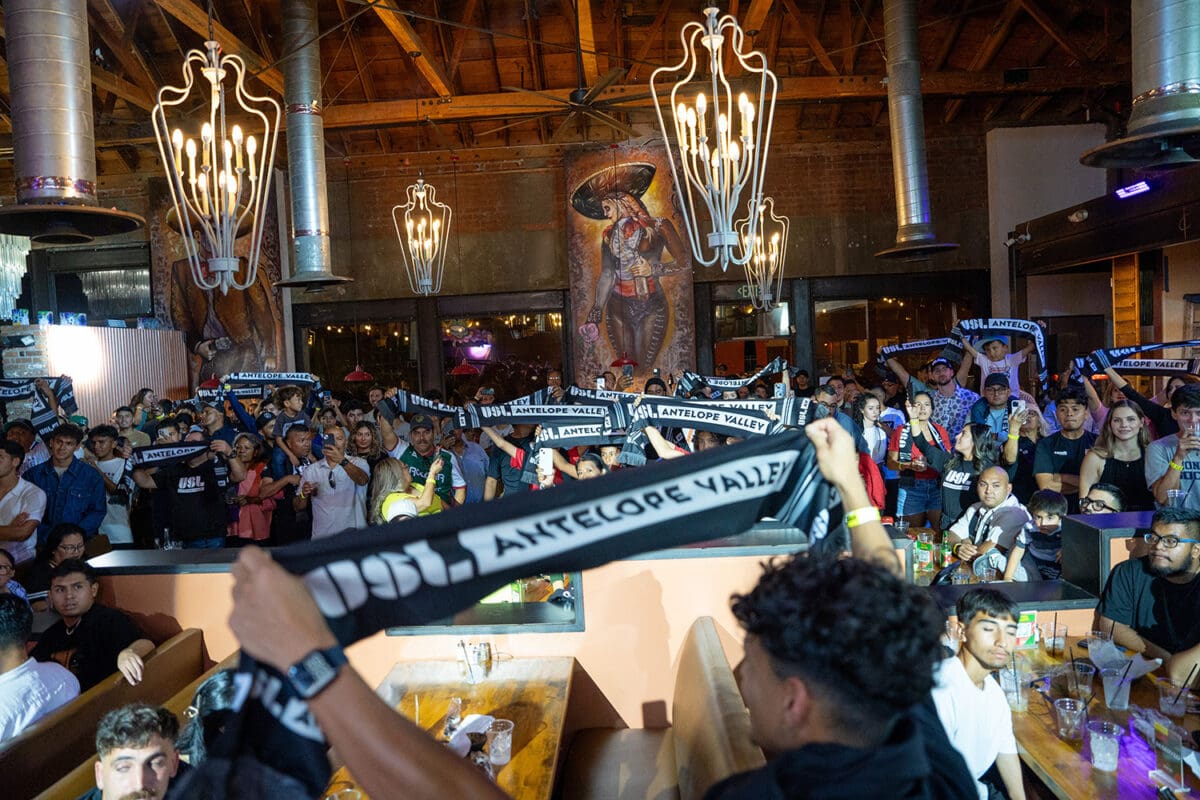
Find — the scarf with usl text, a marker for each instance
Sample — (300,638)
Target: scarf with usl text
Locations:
(1102,359)
(243,385)
(478,416)
(160,455)
(568,436)
(409,403)
(666,412)
(617,403)
(988,326)
(423,570)
(40,413)
(691,381)
(891,350)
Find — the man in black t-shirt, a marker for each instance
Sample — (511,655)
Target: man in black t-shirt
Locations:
(500,470)
(90,640)
(292,520)
(1152,604)
(1058,457)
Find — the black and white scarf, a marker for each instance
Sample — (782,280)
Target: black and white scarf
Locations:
(568,436)
(1115,357)
(40,413)
(480,416)
(691,381)
(891,350)
(664,412)
(993,326)
(422,570)
(409,403)
(244,385)
(163,455)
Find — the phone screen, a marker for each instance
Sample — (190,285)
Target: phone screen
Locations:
(627,370)
(599,383)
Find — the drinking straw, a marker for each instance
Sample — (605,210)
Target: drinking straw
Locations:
(470,672)
(1075,672)
(417,704)
(1186,681)
(1112,630)
(1125,674)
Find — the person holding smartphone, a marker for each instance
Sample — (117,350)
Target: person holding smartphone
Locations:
(995,407)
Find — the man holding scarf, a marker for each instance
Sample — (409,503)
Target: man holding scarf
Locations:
(951,402)
(422,449)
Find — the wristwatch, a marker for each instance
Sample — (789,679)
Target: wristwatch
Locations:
(315,671)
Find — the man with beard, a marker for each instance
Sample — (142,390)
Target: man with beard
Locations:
(422,449)
(137,756)
(951,402)
(1152,604)
(970,704)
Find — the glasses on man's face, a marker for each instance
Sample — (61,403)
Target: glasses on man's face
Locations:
(5,569)
(1088,503)
(1169,542)
(71,548)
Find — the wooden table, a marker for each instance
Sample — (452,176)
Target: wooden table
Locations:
(532,692)
(1065,767)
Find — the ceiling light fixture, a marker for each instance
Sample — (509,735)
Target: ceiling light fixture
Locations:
(768,251)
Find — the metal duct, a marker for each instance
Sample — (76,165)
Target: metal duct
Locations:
(311,258)
(54,147)
(1164,120)
(914,232)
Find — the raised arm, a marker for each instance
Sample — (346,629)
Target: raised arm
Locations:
(506,447)
(665,449)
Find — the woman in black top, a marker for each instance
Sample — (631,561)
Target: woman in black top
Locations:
(1160,418)
(1017,454)
(974,451)
(1119,457)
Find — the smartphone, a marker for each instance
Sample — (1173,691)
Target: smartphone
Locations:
(600,382)
(780,390)
(627,370)
(1016,406)
(545,460)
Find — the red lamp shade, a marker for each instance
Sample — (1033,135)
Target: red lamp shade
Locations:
(623,361)
(359,375)
(464,369)
(211,383)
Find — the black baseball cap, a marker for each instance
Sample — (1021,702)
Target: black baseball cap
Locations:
(940,362)
(996,379)
(421,421)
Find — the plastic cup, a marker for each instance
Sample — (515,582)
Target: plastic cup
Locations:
(1104,740)
(961,575)
(901,527)
(1116,690)
(499,737)
(1080,680)
(1068,713)
(1175,498)
(1015,684)
(1173,698)
(1056,639)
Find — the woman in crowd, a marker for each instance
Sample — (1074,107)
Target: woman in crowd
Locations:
(367,443)
(249,512)
(975,450)
(393,491)
(590,465)
(1017,455)
(8,568)
(65,540)
(920,498)
(1159,420)
(1119,455)
(866,412)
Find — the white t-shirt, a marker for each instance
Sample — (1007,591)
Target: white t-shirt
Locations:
(340,506)
(1010,365)
(30,692)
(30,499)
(115,524)
(977,722)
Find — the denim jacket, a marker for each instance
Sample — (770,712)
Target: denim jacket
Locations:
(78,497)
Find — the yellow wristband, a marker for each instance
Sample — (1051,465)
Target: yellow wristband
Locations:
(1174,466)
(861,516)
(1013,438)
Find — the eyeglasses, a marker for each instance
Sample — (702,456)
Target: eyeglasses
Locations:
(71,548)
(1168,542)
(5,569)
(1088,502)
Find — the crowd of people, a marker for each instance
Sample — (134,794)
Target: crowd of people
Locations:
(993,473)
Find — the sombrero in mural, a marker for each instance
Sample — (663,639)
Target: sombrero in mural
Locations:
(633,178)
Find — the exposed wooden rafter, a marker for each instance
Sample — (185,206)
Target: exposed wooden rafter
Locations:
(1051,27)
(460,39)
(195,18)
(756,16)
(999,34)
(111,28)
(810,37)
(651,34)
(398,25)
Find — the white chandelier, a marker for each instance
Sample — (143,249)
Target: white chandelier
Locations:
(423,236)
(219,185)
(717,163)
(13,250)
(764,235)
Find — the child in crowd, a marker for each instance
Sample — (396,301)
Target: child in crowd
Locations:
(1042,538)
(991,354)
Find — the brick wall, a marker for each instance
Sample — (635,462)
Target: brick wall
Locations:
(24,362)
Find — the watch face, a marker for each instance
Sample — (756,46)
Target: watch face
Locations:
(312,674)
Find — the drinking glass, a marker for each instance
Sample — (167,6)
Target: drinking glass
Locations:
(1116,688)
(1175,498)
(1173,698)
(1015,683)
(499,737)
(1055,639)
(1080,679)
(1069,714)
(1104,739)
(901,527)
(961,575)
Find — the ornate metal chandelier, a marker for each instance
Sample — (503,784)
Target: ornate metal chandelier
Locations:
(721,155)
(219,184)
(764,235)
(423,235)
(13,250)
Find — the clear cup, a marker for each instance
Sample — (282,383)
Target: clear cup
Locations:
(1055,638)
(1116,688)
(499,738)
(1104,740)
(901,527)
(1175,498)
(343,790)
(1015,683)
(961,575)
(1068,714)
(1081,678)
(1173,698)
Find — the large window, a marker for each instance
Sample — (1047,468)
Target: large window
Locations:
(848,332)
(507,352)
(386,349)
(745,338)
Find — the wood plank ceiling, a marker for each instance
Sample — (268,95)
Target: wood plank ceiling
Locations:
(443,75)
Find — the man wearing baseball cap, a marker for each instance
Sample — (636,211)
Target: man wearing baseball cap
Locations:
(993,408)
(451,487)
(951,402)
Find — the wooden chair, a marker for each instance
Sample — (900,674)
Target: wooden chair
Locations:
(81,779)
(55,744)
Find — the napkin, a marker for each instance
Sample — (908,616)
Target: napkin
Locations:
(472,723)
(1106,655)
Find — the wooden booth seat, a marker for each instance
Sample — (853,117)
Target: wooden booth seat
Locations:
(81,779)
(708,741)
(58,742)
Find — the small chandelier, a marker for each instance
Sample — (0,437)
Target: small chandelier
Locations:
(717,163)
(13,250)
(764,235)
(423,236)
(219,185)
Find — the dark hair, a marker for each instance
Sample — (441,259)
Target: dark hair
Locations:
(1049,501)
(53,539)
(123,408)
(985,452)
(13,449)
(16,622)
(132,726)
(140,396)
(1075,394)
(860,405)
(985,601)
(1178,516)
(20,422)
(1186,396)
(285,393)
(68,431)
(211,707)
(1117,495)
(596,460)
(301,427)
(103,430)
(7,556)
(72,565)
(876,663)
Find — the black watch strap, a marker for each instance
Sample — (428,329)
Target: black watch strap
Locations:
(311,674)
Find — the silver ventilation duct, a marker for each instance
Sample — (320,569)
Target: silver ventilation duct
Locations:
(1164,120)
(54,145)
(311,258)
(914,232)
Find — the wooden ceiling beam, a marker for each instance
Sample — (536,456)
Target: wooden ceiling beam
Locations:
(1042,18)
(1001,30)
(360,64)
(648,38)
(134,95)
(810,36)
(400,29)
(587,41)
(111,28)
(195,18)
(756,16)
(951,37)
(460,39)
(253,9)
